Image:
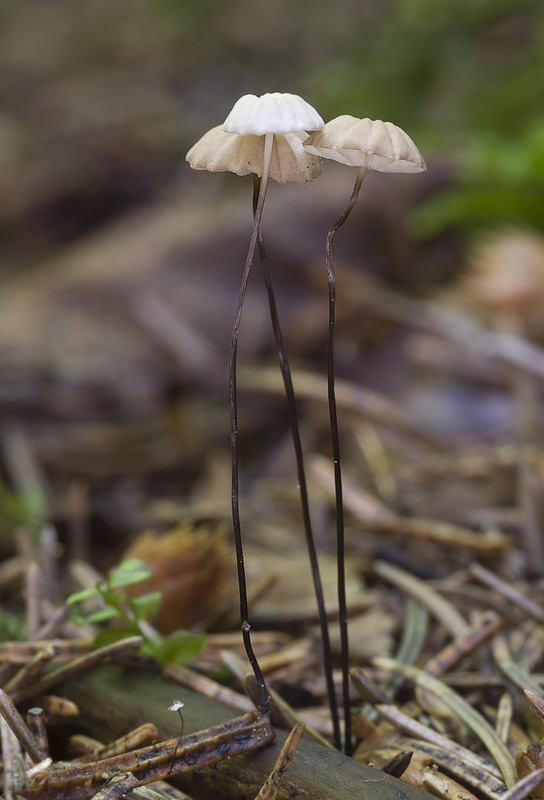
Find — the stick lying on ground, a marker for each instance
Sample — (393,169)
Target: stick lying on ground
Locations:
(155,762)
(122,700)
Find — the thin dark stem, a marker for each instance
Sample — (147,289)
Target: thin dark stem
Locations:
(233,409)
(340,547)
(295,434)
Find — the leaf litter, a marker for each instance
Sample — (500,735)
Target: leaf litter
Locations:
(443,525)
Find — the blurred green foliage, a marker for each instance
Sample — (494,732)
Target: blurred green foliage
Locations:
(457,65)
(453,65)
(500,181)
(464,77)
(133,613)
(19,510)
(12,626)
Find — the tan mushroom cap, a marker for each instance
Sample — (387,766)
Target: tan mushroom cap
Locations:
(505,276)
(274,112)
(218,151)
(366,143)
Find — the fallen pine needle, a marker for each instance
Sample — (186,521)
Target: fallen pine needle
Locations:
(273,783)
(462,709)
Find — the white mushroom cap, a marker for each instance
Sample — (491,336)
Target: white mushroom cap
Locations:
(366,143)
(272,113)
(218,151)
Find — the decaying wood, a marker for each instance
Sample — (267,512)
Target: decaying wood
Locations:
(206,686)
(138,738)
(117,699)
(19,728)
(35,719)
(154,762)
(277,776)
(76,667)
(22,652)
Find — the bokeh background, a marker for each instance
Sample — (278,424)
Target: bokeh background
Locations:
(119,273)
(101,100)
(120,265)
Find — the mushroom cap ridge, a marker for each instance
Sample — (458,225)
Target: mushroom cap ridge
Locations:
(368,143)
(274,112)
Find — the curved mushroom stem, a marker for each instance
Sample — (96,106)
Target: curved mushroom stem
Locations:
(301,474)
(233,409)
(340,549)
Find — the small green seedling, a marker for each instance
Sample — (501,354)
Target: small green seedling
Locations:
(134,614)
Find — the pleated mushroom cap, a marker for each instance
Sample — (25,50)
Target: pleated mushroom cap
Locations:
(219,151)
(366,143)
(275,112)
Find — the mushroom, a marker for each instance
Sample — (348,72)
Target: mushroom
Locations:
(220,151)
(263,136)
(504,280)
(365,144)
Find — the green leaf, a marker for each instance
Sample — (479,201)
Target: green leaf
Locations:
(133,570)
(12,626)
(77,618)
(152,645)
(112,635)
(221,675)
(76,597)
(146,605)
(180,646)
(114,599)
(101,615)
